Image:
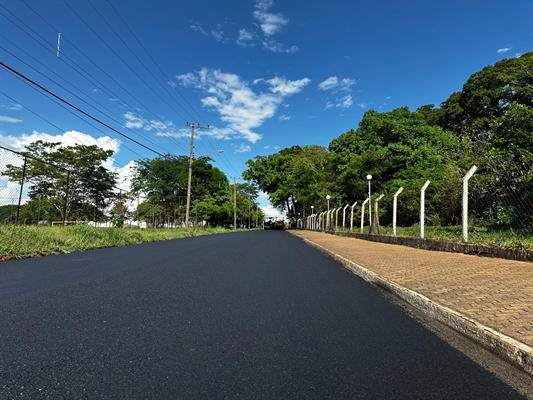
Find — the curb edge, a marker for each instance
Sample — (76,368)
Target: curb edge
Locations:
(511,349)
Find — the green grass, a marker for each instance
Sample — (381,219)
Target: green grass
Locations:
(31,241)
(476,235)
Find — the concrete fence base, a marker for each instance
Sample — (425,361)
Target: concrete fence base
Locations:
(444,245)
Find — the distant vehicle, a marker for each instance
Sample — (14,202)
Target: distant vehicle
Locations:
(279,224)
(269,223)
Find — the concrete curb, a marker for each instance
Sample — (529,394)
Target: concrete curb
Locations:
(510,349)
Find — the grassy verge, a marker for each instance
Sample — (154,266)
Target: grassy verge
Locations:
(31,241)
(478,235)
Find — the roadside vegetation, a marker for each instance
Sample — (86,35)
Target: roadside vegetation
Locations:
(32,241)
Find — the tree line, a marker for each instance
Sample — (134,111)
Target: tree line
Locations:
(71,183)
(488,123)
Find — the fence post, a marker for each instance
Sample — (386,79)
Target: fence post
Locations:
(363,213)
(376,216)
(21,188)
(395,210)
(344,217)
(422,205)
(337,218)
(351,221)
(320,220)
(466,178)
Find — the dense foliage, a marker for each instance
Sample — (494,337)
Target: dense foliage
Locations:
(489,123)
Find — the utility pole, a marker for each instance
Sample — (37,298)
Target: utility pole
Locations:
(191,158)
(234,202)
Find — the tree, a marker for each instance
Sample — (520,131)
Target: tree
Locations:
(71,178)
(399,148)
(270,174)
(164,181)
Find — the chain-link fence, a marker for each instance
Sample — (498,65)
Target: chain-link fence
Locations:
(499,201)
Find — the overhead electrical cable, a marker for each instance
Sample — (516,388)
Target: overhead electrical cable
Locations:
(163,73)
(64,131)
(183,146)
(67,90)
(5,66)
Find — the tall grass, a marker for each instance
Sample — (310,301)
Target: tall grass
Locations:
(31,240)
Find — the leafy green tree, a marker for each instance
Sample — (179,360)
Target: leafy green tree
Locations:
(71,176)
(270,174)
(399,148)
(164,181)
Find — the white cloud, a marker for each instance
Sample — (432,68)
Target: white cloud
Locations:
(334,83)
(329,104)
(388,97)
(15,107)
(197,28)
(69,138)
(345,102)
(276,47)
(218,34)
(329,83)
(266,147)
(284,118)
(244,148)
(162,128)
(504,50)
(238,105)
(271,212)
(245,38)
(5,118)
(270,23)
(362,105)
(285,87)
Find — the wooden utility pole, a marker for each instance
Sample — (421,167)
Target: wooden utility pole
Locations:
(191,159)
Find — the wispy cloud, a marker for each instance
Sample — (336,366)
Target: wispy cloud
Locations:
(238,105)
(198,28)
(137,121)
(334,83)
(345,102)
(244,148)
(504,50)
(15,107)
(284,118)
(363,105)
(245,38)
(276,47)
(218,34)
(270,23)
(11,120)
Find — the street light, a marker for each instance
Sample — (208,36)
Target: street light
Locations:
(312,217)
(327,218)
(369,177)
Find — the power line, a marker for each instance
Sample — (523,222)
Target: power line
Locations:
(89,59)
(64,131)
(76,108)
(90,105)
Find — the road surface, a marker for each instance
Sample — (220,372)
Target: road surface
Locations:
(251,315)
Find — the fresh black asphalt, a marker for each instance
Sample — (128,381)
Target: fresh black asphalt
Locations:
(246,315)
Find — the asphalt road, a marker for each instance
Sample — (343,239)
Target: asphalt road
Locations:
(252,315)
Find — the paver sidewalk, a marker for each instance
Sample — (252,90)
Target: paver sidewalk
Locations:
(494,292)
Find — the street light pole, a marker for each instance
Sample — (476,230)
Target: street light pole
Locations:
(327,215)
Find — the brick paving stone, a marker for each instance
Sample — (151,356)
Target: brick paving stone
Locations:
(494,292)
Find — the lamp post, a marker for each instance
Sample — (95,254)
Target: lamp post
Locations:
(369,177)
(327,215)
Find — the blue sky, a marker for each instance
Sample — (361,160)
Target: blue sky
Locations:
(263,75)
